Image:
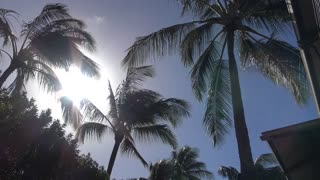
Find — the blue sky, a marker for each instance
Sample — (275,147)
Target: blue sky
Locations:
(115,24)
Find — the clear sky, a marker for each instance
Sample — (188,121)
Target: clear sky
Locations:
(115,24)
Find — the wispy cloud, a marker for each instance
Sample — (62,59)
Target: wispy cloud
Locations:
(99,19)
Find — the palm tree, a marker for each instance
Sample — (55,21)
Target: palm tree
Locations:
(183,165)
(223,26)
(134,113)
(51,40)
(266,168)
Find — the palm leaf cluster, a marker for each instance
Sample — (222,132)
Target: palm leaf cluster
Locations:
(182,165)
(134,114)
(202,44)
(51,40)
(266,168)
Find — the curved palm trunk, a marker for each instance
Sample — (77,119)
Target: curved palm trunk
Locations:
(4,76)
(113,156)
(246,160)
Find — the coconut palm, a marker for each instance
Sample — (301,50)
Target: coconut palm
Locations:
(182,165)
(223,26)
(50,40)
(266,168)
(135,114)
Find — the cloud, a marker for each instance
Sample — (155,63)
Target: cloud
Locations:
(99,19)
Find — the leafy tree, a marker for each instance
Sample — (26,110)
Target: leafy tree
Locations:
(266,168)
(33,146)
(183,165)
(135,114)
(87,168)
(50,40)
(223,26)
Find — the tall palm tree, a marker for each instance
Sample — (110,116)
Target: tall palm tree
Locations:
(224,25)
(182,165)
(135,114)
(266,168)
(50,40)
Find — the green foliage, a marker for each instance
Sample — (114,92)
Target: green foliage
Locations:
(34,146)
(182,165)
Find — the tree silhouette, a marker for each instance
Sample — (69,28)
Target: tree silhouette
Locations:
(33,146)
(182,165)
(266,168)
(223,27)
(50,40)
(135,114)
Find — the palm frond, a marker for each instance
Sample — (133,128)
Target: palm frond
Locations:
(18,84)
(215,10)
(267,160)
(187,165)
(57,43)
(195,165)
(228,172)
(171,109)
(185,154)
(128,147)
(44,74)
(136,75)
(55,49)
(6,12)
(6,32)
(145,107)
(91,112)
(200,174)
(31,68)
(88,66)
(80,37)
(274,173)
(194,43)
(50,13)
(217,120)
(113,105)
(156,44)
(70,112)
(201,71)
(48,80)
(91,131)
(134,107)
(161,170)
(61,50)
(155,132)
(278,61)
(196,7)
(267,15)
(57,25)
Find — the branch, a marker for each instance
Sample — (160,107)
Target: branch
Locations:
(7,54)
(248,29)
(25,40)
(223,48)
(221,6)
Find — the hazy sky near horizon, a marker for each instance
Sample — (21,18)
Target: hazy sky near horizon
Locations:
(115,24)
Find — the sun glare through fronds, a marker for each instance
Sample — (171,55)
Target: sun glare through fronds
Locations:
(77,86)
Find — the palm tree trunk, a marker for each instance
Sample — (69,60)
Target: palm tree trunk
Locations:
(246,160)
(4,76)
(114,154)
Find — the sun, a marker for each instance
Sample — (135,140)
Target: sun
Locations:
(77,86)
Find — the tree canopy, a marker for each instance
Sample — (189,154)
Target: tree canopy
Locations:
(34,146)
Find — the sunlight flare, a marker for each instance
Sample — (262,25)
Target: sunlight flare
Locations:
(77,86)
